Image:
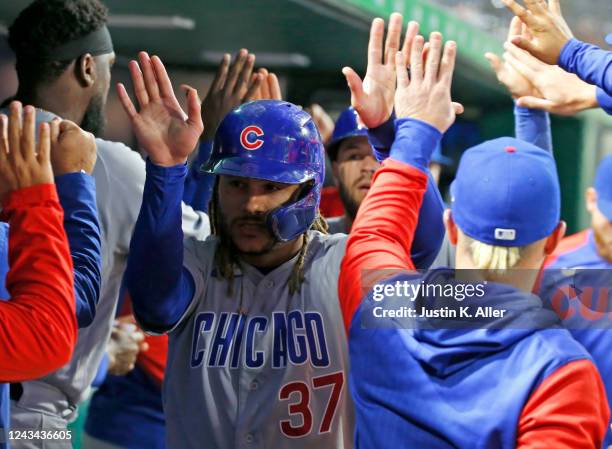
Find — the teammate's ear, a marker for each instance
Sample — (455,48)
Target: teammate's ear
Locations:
(554,238)
(590,199)
(85,70)
(451,227)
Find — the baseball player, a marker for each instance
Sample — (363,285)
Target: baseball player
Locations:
(551,40)
(256,353)
(588,250)
(126,411)
(580,267)
(354,162)
(40,286)
(436,381)
(63,58)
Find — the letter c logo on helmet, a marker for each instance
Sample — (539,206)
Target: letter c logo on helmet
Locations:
(247,141)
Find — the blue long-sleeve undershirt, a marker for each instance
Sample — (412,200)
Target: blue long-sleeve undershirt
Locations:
(533,126)
(77,194)
(589,62)
(160,288)
(604,100)
(430,231)
(415,142)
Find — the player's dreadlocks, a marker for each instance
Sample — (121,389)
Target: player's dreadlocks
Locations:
(45,25)
(226,260)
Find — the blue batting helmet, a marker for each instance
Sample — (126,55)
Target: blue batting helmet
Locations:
(347,125)
(274,141)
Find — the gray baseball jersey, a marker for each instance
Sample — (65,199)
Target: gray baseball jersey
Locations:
(260,368)
(119,174)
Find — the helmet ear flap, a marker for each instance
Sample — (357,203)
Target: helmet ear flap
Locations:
(289,221)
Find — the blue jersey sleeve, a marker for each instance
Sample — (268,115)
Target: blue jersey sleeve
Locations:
(533,126)
(77,194)
(589,62)
(381,138)
(199,184)
(430,230)
(160,288)
(604,100)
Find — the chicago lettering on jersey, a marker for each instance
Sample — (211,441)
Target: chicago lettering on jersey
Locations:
(234,340)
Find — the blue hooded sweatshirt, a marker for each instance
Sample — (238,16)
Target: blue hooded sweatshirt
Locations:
(457,383)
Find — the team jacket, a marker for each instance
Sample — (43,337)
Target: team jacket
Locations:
(38,325)
(584,277)
(462,388)
(591,64)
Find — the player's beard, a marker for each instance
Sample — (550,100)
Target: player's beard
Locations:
(252,220)
(350,205)
(93,119)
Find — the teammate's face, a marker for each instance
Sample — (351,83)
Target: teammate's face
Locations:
(93,119)
(353,170)
(244,204)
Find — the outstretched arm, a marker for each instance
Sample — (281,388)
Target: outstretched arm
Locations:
(160,288)
(37,323)
(550,39)
(530,125)
(589,62)
(73,156)
(384,228)
(373,99)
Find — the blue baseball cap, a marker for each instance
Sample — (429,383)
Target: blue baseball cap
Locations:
(506,193)
(347,125)
(603,186)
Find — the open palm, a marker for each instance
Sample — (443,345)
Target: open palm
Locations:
(373,97)
(162,128)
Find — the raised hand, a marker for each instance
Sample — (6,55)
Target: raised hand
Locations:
(426,94)
(372,98)
(232,86)
(269,87)
(548,29)
(162,128)
(72,149)
(559,92)
(516,83)
(23,163)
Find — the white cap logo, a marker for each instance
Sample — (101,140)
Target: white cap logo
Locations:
(505,234)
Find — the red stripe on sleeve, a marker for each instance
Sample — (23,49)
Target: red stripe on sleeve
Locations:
(38,326)
(569,410)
